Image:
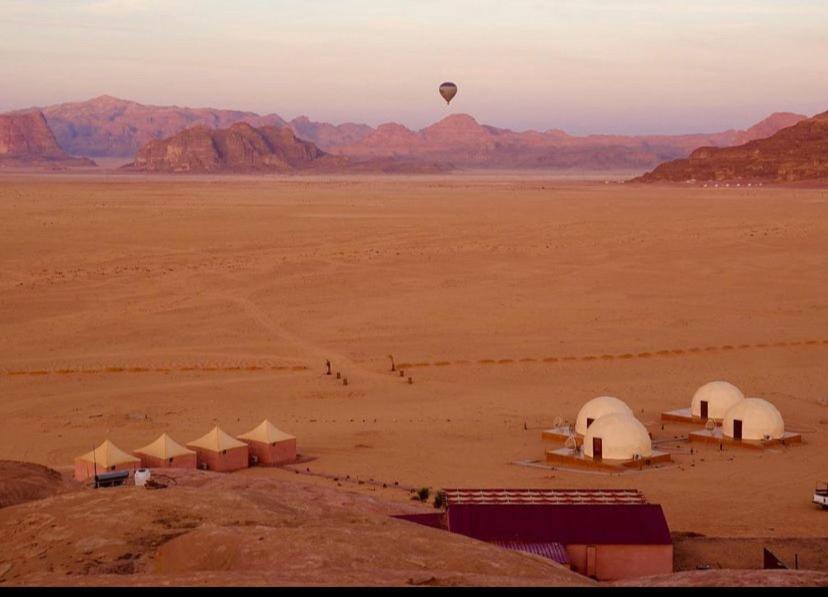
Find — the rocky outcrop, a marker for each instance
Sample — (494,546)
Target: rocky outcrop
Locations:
(799,152)
(238,149)
(26,140)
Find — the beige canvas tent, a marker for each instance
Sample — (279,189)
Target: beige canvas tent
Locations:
(165,452)
(220,451)
(105,458)
(269,444)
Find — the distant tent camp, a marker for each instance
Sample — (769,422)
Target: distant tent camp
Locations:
(165,452)
(218,451)
(105,458)
(270,445)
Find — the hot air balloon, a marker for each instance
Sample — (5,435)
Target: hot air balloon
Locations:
(448,91)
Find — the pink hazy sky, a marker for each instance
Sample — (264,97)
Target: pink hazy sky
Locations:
(645,66)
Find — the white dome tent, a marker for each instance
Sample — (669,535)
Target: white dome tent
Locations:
(618,436)
(753,419)
(597,408)
(713,399)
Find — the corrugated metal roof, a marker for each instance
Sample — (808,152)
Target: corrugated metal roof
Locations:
(581,524)
(551,550)
(544,496)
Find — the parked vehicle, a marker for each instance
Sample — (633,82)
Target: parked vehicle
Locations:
(821,495)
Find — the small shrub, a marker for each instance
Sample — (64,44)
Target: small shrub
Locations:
(440,499)
(423,493)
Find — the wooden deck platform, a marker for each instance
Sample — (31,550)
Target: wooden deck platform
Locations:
(717,437)
(565,456)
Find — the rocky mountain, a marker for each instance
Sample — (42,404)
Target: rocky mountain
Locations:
(26,140)
(112,127)
(239,148)
(798,152)
(462,141)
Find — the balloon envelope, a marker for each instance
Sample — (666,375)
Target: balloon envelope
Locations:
(448,91)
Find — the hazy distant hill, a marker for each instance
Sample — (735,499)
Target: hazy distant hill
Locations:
(26,140)
(112,127)
(799,152)
(325,135)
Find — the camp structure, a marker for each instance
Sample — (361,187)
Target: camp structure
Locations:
(606,534)
(165,452)
(614,440)
(710,402)
(590,412)
(218,451)
(269,445)
(750,422)
(106,458)
(597,408)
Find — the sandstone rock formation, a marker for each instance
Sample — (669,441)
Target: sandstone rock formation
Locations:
(26,140)
(239,148)
(799,152)
(242,149)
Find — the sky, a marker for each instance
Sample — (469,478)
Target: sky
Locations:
(584,66)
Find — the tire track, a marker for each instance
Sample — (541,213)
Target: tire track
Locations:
(666,353)
(181,369)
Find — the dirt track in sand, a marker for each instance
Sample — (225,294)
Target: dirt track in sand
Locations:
(200,301)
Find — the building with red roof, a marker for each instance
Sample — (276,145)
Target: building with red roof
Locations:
(607,534)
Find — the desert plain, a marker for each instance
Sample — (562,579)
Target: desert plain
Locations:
(133,305)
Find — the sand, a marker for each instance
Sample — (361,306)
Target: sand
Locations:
(131,306)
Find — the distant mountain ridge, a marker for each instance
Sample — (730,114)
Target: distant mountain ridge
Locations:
(792,154)
(460,139)
(108,126)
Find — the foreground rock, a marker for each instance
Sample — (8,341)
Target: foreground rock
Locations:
(246,528)
(26,140)
(796,153)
